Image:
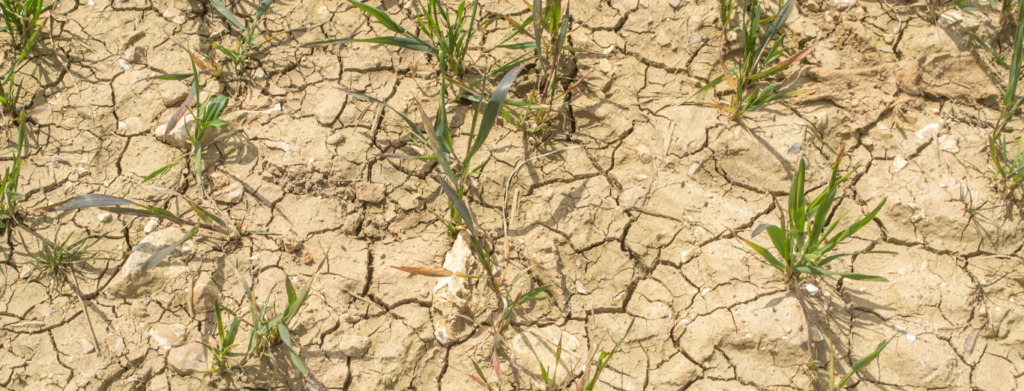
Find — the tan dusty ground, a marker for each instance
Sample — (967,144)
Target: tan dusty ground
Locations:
(640,220)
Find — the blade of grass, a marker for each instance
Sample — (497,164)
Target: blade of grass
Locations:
(491,111)
(227,14)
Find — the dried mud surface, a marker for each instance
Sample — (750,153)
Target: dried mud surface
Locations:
(638,224)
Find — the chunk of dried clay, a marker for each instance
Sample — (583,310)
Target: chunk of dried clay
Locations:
(450,309)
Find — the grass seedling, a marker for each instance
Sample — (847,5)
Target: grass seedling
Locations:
(21,19)
(802,241)
(1007,157)
(60,261)
(206,115)
(857,367)
(9,196)
(249,40)
(435,137)
(121,206)
(270,327)
(10,93)
(446,32)
(225,340)
(761,49)
(547,42)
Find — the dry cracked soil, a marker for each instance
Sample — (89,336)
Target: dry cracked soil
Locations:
(639,223)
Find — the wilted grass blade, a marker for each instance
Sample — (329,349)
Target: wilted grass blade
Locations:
(86,201)
(169,76)
(786,63)
(426,271)
(178,114)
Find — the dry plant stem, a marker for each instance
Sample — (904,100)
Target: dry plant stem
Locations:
(88,319)
(508,183)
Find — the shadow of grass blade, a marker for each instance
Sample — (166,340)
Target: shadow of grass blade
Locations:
(415,129)
(402,42)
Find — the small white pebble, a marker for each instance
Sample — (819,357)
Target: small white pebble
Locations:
(911,336)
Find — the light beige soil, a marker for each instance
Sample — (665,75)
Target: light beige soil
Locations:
(641,222)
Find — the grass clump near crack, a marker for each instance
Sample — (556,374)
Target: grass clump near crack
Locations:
(225,340)
(21,19)
(60,261)
(270,326)
(10,89)
(249,40)
(1008,154)
(448,34)
(547,28)
(803,241)
(9,195)
(762,58)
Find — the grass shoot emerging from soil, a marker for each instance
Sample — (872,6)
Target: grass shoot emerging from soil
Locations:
(761,49)
(270,327)
(1008,155)
(21,19)
(802,242)
(9,196)
(10,91)
(249,40)
(225,340)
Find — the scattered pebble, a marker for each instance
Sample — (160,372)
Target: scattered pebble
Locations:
(898,163)
(105,217)
(927,131)
(813,290)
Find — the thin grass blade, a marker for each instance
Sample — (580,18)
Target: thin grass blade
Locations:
(402,42)
(412,125)
(227,14)
(264,6)
(864,362)
(381,17)
(491,111)
(460,206)
(809,269)
(766,255)
(165,252)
